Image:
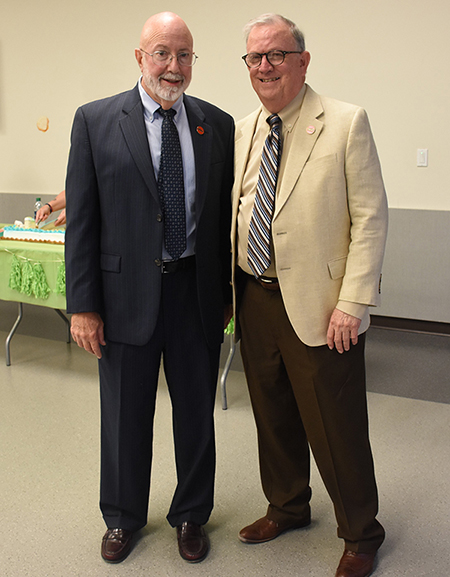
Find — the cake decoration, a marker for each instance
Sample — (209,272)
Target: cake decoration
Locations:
(16,232)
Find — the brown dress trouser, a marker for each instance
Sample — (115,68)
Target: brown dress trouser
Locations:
(309,396)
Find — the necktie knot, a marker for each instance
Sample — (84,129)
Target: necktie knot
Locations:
(166,114)
(273,120)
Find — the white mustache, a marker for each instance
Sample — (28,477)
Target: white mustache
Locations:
(171,76)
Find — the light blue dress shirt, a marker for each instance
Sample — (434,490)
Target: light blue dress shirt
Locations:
(153,123)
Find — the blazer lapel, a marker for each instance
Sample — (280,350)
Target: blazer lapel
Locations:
(135,134)
(307,132)
(243,140)
(202,134)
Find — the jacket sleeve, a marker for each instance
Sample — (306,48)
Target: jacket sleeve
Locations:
(225,222)
(368,211)
(82,246)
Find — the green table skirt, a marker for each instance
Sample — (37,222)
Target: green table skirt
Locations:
(40,263)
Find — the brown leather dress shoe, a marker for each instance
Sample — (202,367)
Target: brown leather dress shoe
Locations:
(116,545)
(192,542)
(265,529)
(355,564)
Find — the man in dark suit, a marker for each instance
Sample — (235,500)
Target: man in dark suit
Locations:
(149,278)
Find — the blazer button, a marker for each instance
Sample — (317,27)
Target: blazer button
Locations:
(159,217)
(158,262)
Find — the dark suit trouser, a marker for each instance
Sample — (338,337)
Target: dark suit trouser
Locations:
(312,395)
(128,384)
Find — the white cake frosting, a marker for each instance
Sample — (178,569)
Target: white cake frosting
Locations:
(55,236)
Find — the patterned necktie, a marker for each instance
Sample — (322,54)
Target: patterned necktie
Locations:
(171,186)
(258,252)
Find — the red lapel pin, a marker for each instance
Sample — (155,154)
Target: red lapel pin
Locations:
(200,130)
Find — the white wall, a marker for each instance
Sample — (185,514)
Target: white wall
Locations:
(390,56)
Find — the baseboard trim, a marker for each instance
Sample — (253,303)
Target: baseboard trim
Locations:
(410,325)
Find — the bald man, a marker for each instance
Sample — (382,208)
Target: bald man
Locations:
(148,278)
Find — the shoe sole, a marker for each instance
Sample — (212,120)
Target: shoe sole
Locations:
(199,560)
(115,561)
(120,559)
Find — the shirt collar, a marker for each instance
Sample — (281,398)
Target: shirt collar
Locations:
(151,106)
(291,112)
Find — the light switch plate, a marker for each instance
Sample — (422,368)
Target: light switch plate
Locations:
(422,157)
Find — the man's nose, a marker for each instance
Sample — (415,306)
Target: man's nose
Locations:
(265,64)
(174,65)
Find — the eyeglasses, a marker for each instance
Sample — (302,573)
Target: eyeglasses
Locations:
(163,58)
(274,57)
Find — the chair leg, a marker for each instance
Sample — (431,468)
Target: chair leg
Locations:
(223,378)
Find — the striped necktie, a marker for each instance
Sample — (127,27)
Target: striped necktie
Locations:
(258,252)
(171,186)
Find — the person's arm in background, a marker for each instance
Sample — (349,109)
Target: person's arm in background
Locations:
(57,203)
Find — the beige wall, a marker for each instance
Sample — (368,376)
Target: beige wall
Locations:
(390,56)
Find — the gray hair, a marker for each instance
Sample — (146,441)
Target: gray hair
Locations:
(272,19)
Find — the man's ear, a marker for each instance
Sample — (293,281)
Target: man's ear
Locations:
(138,55)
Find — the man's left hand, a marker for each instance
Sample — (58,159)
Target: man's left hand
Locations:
(342,329)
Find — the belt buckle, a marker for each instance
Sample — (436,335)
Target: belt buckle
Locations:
(164,267)
(268,281)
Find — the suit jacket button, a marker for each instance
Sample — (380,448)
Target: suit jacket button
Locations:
(159,218)
(158,262)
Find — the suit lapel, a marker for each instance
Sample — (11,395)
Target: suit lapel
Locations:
(243,142)
(306,134)
(135,134)
(202,134)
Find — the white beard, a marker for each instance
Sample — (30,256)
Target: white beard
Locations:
(168,93)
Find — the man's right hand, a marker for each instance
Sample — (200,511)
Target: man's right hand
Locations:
(87,332)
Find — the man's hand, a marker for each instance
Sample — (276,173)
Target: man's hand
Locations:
(61,218)
(342,329)
(87,332)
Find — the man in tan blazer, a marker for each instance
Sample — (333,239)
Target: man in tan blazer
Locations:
(302,314)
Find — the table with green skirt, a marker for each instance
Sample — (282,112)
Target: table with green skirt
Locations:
(32,273)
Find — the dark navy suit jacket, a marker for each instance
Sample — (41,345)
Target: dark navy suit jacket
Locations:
(114,231)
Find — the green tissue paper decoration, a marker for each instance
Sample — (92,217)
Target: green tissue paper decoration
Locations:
(230,328)
(41,289)
(27,278)
(61,280)
(15,276)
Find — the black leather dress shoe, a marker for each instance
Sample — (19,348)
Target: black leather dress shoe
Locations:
(192,542)
(116,545)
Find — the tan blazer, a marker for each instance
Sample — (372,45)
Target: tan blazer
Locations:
(330,223)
